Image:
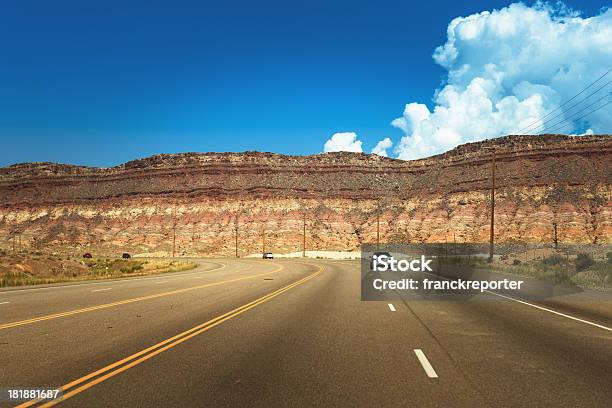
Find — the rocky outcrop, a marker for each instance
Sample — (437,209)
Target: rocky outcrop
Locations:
(197,200)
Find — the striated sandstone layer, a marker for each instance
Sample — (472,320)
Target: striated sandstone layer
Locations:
(197,201)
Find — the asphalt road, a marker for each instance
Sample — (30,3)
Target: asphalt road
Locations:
(253,332)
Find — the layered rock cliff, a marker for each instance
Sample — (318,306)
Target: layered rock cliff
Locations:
(195,202)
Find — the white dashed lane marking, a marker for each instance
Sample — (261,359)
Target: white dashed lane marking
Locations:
(429,370)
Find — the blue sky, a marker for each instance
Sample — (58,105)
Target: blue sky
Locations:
(100,83)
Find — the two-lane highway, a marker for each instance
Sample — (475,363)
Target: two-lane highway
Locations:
(293,333)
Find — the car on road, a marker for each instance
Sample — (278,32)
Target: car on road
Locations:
(126,255)
(87,255)
(378,254)
(268,255)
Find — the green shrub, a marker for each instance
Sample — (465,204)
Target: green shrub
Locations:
(603,272)
(132,268)
(583,261)
(554,260)
(609,255)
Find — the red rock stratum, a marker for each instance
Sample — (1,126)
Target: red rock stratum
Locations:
(140,206)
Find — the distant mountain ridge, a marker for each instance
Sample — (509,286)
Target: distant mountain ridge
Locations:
(540,180)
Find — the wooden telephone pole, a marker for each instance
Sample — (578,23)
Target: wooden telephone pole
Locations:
(263,239)
(236,234)
(304,237)
(377,224)
(173,239)
(174,218)
(491,243)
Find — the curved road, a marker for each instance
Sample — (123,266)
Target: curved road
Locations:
(252,332)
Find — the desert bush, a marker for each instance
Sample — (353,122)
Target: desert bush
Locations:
(598,277)
(583,261)
(603,272)
(516,262)
(131,268)
(554,259)
(17,278)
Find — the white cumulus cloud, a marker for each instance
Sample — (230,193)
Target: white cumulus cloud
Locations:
(343,142)
(382,146)
(509,68)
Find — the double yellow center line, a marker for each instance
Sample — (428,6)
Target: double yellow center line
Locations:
(127,301)
(79,385)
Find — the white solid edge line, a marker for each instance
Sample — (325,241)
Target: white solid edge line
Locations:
(391,307)
(539,307)
(552,311)
(111,282)
(429,370)
(4,303)
(100,290)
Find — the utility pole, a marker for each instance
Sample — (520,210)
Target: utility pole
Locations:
(173,239)
(491,249)
(236,234)
(446,244)
(174,232)
(377,224)
(304,238)
(263,239)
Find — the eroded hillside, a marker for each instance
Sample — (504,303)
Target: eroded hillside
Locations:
(198,200)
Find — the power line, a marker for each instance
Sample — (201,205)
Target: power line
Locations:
(566,102)
(569,118)
(570,108)
(585,115)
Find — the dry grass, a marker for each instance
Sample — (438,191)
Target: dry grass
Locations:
(27,270)
(555,269)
